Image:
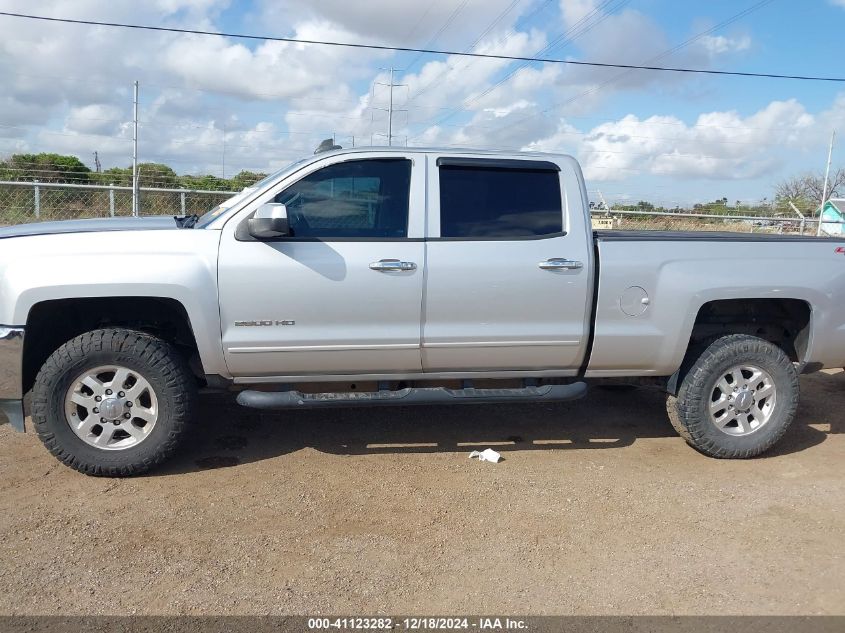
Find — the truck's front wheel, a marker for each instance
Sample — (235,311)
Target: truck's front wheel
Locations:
(113,402)
(736,399)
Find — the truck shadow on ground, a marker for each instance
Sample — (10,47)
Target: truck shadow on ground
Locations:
(605,419)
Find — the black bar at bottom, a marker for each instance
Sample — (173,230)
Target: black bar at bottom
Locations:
(328,623)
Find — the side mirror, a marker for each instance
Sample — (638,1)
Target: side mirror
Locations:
(269,221)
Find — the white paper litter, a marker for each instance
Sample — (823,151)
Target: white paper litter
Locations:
(487,455)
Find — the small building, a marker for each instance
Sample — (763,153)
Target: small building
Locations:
(833,217)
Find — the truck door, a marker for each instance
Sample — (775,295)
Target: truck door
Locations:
(341,294)
(507,287)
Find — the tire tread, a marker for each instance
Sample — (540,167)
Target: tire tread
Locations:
(158,354)
(683,409)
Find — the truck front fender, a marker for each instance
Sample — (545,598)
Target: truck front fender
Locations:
(181,267)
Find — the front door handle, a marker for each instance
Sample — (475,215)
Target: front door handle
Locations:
(559,263)
(392,266)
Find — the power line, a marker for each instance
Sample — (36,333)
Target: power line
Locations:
(434,37)
(576,30)
(419,21)
(674,49)
(407,49)
(550,47)
(441,74)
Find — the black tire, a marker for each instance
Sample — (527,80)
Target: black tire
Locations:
(688,411)
(160,364)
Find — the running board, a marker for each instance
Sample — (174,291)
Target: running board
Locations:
(410,395)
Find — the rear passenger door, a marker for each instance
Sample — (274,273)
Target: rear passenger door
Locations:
(506,286)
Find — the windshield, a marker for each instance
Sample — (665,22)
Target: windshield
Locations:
(212,214)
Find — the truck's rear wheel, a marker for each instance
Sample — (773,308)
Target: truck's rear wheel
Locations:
(736,399)
(113,402)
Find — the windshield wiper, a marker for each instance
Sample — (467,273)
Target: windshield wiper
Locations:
(186,221)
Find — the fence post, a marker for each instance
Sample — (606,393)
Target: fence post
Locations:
(182,201)
(803,222)
(111,199)
(37,191)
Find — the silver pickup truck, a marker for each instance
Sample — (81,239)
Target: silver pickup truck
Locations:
(398,276)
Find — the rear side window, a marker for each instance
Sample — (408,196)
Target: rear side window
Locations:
(355,199)
(492,202)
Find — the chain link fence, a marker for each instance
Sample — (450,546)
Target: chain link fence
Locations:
(22,202)
(682,221)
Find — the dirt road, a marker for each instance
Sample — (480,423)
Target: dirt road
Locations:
(598,508)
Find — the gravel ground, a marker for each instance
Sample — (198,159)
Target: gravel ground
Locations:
(597,508)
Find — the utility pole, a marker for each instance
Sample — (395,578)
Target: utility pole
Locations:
(135,151)
(224,150)
(97,167)
(826,178)
(390,112)
(390,109)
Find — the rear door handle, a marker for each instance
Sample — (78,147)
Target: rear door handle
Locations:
(559,263)
(392,265)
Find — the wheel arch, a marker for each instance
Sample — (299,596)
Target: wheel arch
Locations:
(51,323)
(785,322)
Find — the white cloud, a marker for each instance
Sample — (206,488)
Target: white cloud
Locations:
(71,85)
(392,21)
(444,80)
(718,145)
(438,84)
(272,70)
(575,10)
(68,88)
(95,118)
(719,44)
(201,7)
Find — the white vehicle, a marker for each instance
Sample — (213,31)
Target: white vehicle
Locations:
(396,276)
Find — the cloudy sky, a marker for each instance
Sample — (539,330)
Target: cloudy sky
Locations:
(218,105)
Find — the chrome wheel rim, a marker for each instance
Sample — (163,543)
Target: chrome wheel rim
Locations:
(111,407)
(743,400)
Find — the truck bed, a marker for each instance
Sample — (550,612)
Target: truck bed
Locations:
(652,285)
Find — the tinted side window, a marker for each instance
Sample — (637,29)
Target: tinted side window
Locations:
(499,202)
(360,198)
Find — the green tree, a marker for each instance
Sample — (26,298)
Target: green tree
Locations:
(805,191)
(44,167)
(121,176)
(207,182)
(246,179)
(157,175)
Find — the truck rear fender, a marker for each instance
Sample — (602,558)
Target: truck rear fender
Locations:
(694,288)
